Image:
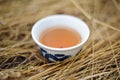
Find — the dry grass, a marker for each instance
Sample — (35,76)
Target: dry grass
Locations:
(19,56)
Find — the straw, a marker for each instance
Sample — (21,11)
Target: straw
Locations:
(20,58)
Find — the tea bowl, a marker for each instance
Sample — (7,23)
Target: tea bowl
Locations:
(60,54)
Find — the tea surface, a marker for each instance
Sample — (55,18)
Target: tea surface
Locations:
(59,37)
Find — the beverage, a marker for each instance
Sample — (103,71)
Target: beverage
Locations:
(60,37)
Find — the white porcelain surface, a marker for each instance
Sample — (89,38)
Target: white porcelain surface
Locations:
(65,20)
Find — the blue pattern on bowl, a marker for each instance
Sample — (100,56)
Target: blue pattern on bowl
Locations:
(55,57)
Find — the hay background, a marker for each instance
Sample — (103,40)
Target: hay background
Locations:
(19,56)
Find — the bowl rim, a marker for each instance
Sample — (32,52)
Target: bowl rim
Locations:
(60,49)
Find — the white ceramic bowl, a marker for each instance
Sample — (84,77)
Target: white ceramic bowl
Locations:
(60,54)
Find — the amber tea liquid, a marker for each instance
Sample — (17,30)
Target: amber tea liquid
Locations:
(60,37)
